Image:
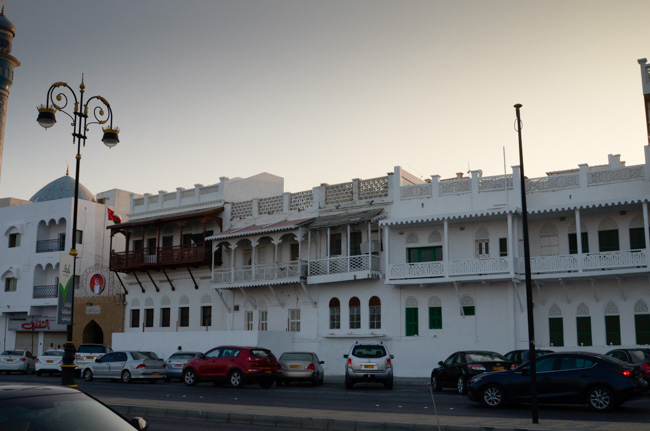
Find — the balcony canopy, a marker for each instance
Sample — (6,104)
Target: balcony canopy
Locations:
(346,218)
(260,229)
(163,220)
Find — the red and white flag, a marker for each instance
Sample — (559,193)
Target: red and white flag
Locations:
(113,216)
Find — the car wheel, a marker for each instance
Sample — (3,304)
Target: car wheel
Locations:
(153,381)
(236,379)
(600,399)
(278,382)
(88,375)
(462,385)
(493,396)
(126,376)
(314,380)
(435,383)
(348,383)
(322,379)
(39,373)
(190,377)
(388,384)
(265,384)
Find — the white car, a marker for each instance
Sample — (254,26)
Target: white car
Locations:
(87,353)
(49,362)
(16,360)
(125,365)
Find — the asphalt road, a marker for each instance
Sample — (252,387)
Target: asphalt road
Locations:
(333,396)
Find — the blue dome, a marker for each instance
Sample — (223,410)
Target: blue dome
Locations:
(60,189)
(5,24)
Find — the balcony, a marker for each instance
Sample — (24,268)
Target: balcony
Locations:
(161,257)
(587,263)
(342,268)
(49,245)
(48,291)
(259,275)
(455,269)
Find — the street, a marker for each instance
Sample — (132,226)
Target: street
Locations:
(412,399)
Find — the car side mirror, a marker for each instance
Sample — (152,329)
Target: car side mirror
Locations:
(392,356)
(139,423)
(321,362)
(441,363)
(345,356)
(201,356)
(98,360)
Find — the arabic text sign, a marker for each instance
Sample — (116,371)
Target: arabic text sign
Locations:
(35,323)
(66,280)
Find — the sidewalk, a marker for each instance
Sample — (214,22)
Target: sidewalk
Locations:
(316,419)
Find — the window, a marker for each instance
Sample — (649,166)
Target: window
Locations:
(294,251)
(335,244)
(469,310)
(137,244)
(264,320)
(424,254)
(164,317)
(355,243)
(435,317)
(637,238)
(548,240)
(375,313)
(80,236)
(187,239)
(294,320)
(151,246)
(482,248)
(573,243)
(583,324)
(355,313)
(148,317)
(206,315)
(411,321)
(556,331)
(642,328)
(168,240)
(608,240)
(135,318)
(613,330)
(335,314)
(248,325)
(10,284)
(14,240)
(184,316)
(503,247)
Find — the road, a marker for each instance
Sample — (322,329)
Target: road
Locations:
(414,399)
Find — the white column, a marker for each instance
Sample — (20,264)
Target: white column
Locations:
(579,240)
(349,251)
(445,247)
(386,251)
(328,250)
(646,232)
(511,247)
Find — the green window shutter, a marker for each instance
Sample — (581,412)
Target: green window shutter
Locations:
(583,325)
(435,317)
(411,322)
(556,331)
(469,310)
(637,238)
(642,327)
(613,330)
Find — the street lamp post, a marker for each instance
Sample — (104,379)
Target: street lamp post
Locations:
(57,100)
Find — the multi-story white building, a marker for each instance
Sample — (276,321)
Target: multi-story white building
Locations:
(36,233)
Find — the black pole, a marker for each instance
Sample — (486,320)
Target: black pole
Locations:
(529,282)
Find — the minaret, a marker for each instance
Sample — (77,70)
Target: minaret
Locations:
(645,82)
(7,65)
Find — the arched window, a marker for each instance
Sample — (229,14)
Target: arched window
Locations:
(642,322)
(263,324)
(165,318)
(467,304)
(355,313)
(573,238)
(555,326)
(482,241)
(135,313)
(608,235)
(412,238)
(411,306)
(583,325)
(637,233)
(612,324)
(435,313)
(375,312)
(335,313)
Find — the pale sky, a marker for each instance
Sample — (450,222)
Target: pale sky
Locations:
(325,91)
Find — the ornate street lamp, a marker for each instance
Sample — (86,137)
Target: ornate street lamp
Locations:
(57,100)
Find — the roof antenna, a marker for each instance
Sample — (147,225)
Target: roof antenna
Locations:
(67,169)
(468,169)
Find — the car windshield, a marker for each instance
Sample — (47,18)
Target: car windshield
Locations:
(296,357)
(262,353)
(484,357)
(59,413)
(182,356)
(12,353)
(90,349)
(139,355)
(639,355)
(53,353)
(151,355)
(369,351)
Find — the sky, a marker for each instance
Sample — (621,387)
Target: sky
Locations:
(325,91)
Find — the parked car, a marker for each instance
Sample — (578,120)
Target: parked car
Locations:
(518,357)
(369,363)
(600,381)
(87,353)
(233,364)
(640,357)
(125,365)
(49,407)
(457,369)
(300,366)
(16,360)
(151,355)
(176,362)
(49,362)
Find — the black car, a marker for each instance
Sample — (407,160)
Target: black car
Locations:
(599,381)
(640,357)
(457,369)
(518,357)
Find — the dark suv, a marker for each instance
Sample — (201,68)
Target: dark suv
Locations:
(234,365)
(369,363)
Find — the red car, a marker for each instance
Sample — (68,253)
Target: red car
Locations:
(234,365)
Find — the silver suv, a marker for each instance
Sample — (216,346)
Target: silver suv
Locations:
(369,363)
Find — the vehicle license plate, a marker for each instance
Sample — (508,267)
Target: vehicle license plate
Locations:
(10,360)
(49,362)
(89,358)
(267,371)
(368,366)
(497,368)
(294,366)
(178,365)
(154,374)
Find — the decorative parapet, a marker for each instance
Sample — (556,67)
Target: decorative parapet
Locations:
(242,210)
(302,200)
(632,173)
(272,205)
(176,201)
(553,182)
(499,182)
(450,187)
(339,193)
(373,188)
(415,191)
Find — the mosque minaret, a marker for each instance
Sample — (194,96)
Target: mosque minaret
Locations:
(7,64)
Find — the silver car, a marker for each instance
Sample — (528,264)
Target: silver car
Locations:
(176,362)
(16,360)
(369,363)
(125,365)
(300,366)
(49,362)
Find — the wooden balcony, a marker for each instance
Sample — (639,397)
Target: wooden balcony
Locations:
(162,257)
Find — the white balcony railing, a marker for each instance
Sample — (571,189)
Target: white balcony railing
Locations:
(344,264)
(416,270)
(497,265)
(260,272)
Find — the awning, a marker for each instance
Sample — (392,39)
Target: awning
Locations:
(346,218)
(260,229)
(169,219)
(454,216)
